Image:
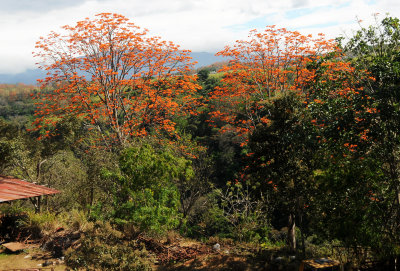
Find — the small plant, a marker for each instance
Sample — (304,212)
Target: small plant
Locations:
(245,215)
(76,220)
(39,223)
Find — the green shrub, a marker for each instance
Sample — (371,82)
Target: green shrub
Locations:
(145,192)
(150,211)
(12,209)
(76,220)
(39,223)
(232,213)
(215,222)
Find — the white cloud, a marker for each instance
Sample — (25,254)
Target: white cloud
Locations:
(199,25)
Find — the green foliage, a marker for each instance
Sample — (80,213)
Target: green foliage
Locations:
(373,189)
(284,148)
(12,209)
(102,249)
(38,223)
(150,168)
(246,215)
(317,248)
(154,213)
(211,221)
(351,203)
(16,104)
(283,157)
(146,191)
(75,220)
(11,220)
(64,171)
(328,156)
(20,222)
(231,213)
(16,151)
(203,74)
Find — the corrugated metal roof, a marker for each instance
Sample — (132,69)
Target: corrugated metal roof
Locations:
(12,189)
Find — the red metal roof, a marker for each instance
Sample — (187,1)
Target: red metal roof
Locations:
(12,189)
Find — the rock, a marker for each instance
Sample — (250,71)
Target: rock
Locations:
(217,247)
(27,256)
(292,258)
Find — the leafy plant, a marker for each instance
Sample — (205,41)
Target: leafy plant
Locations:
(146,192)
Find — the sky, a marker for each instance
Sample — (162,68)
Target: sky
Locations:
(197,25)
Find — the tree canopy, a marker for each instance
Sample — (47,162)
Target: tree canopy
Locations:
(122,81)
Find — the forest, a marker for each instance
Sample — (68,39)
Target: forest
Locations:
(289,150)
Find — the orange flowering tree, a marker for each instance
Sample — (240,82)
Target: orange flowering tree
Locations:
(112,74)
(293,95)
(268,64)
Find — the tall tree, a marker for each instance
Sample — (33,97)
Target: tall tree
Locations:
(376,48)
(252,100)
(282,159)
(111,73)
(267,64)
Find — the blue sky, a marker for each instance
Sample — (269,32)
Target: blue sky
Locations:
(198,25)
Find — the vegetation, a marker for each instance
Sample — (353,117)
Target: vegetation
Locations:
(293,146)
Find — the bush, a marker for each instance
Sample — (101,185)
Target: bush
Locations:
(75,220)
(11,219)
(146,193)
(103,248)
(232,213)
(153,212)
(207,219)
(38,223)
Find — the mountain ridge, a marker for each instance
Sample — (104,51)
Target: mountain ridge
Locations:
(30,76)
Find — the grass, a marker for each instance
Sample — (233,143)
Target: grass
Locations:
(217,75)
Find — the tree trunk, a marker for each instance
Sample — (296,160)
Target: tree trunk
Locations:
(292,233)
(303,246)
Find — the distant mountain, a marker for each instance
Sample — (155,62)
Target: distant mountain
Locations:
(30,76)
(205,59)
